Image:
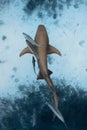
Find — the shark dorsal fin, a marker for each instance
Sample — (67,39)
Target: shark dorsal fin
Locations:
(52,49)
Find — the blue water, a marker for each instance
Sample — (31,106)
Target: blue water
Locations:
(16,115)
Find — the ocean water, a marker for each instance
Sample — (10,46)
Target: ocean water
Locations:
(17,114)
(22,97)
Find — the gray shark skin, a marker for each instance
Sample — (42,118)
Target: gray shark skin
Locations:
(41,38)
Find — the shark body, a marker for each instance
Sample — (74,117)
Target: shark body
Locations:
(41,38)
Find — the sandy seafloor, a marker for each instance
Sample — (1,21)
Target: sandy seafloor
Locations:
(21,95)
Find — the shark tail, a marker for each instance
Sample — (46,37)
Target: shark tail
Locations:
(55,102)
(55,97)
(57,113)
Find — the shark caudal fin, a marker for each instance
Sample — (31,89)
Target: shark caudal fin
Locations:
(40,76)
(52,49)
(57,113)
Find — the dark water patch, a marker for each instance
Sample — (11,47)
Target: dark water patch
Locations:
(76,3)
(22,87)
(2,61)
(76,6)
(4,3)
(4,37)
(54,15)
(16,80)
(14,69)
(49,6)
(60,7)
(68,2)
(46,5)
(12,76)
(54,5)
(72,104)
(77,24)
(40,15)
(24,90)
(81,43)
(32,5)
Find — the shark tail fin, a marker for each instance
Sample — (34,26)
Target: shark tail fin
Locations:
(40,76)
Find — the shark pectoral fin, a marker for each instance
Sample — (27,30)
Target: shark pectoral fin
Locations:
(52,49)
(40,76)
(24,51)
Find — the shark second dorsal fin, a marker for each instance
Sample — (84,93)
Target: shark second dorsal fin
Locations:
(40,76)
(24,51)
(52,49)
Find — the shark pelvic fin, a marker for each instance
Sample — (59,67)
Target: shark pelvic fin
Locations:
(40,76)
(24,51)
(52,49)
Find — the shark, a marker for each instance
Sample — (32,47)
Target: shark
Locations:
(41,51)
